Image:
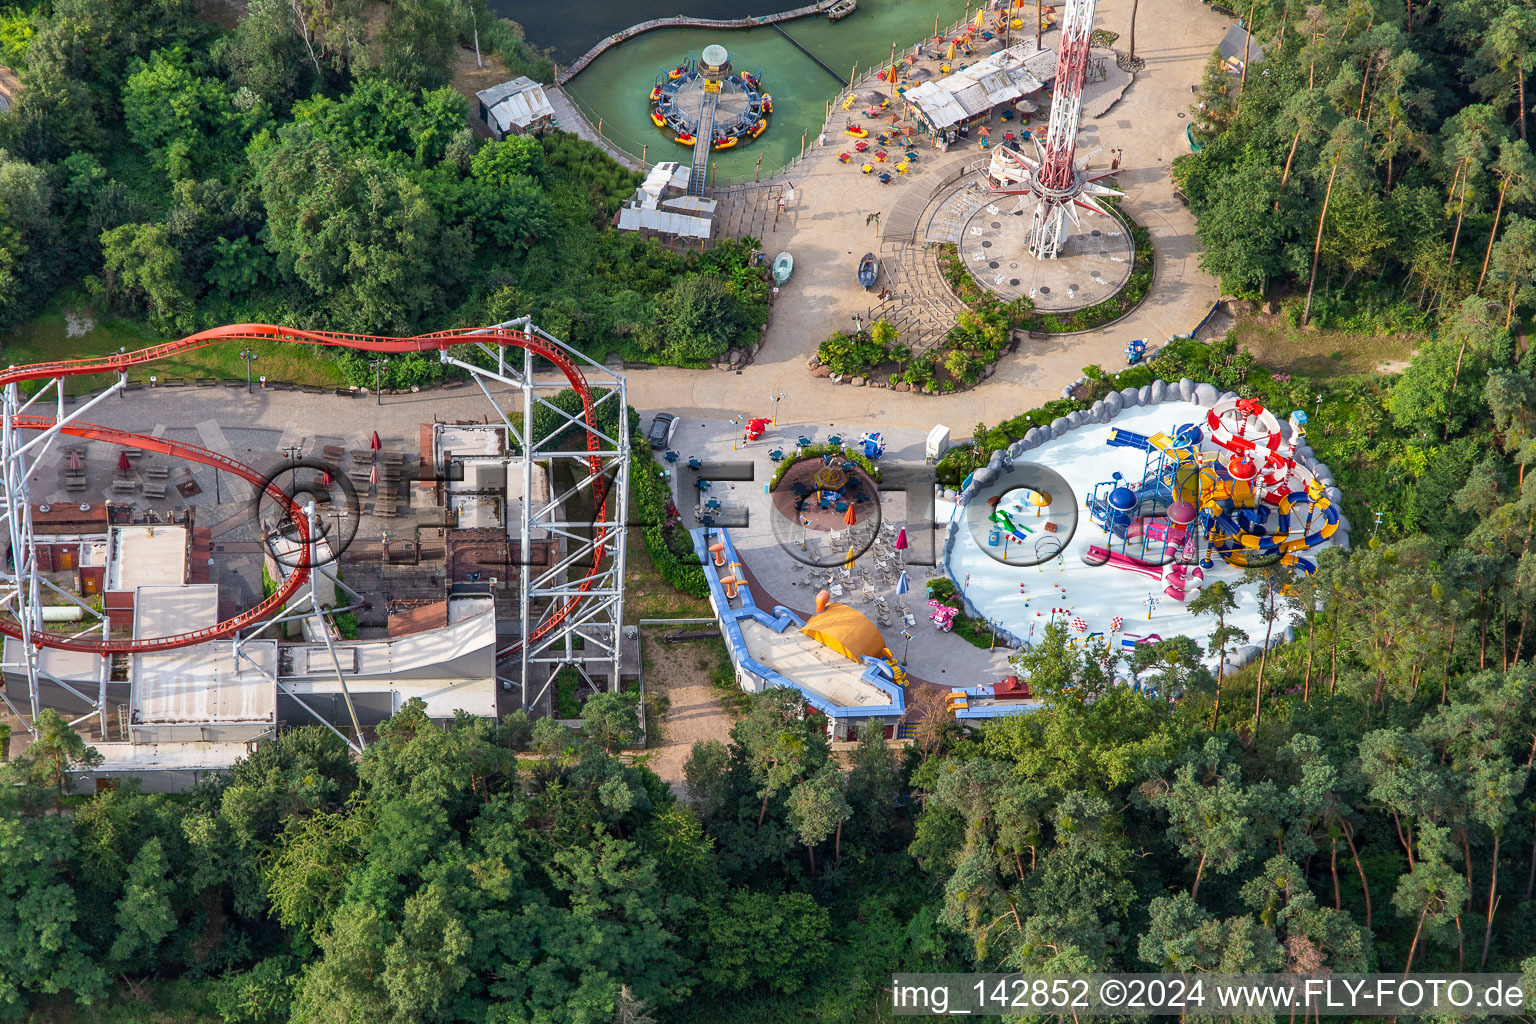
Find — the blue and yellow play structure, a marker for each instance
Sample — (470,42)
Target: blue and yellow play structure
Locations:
(1228,488)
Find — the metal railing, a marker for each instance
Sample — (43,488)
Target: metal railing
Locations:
(636,151)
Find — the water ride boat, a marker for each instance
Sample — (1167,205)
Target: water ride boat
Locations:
(869,269)
(658,119)
(767,103)
(727,142)
(783,266)
(656,94)
(759,128)
(684,139)
(857,131)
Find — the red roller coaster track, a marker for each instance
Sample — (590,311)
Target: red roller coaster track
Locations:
(267,332)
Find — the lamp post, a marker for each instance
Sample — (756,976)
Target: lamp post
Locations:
(250,356)
(378,366)
(858,323)
(775,399)
(906,639)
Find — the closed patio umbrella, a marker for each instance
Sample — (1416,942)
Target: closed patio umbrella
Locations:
(902,583)
(374,441)
(850,517)
(901,539)
(74,459)
(123,464)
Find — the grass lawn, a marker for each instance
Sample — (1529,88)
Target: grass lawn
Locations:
(43,339)
(1280,347)
(648,596)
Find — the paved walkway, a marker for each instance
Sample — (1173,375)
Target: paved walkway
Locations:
(768,541)
(825,229)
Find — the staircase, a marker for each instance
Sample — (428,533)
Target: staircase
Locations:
(927,309)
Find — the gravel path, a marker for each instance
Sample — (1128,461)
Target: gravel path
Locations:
(694,713)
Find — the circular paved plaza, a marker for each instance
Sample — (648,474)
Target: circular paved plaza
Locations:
(1095,264)
(731,109)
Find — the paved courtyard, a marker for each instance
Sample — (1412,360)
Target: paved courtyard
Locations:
(830,224)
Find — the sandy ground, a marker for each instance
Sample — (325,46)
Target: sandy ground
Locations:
(681,671)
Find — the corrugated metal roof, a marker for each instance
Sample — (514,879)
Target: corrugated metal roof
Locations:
(639,218)
(1001,78)
(496,93)
(521,106)
(691,204)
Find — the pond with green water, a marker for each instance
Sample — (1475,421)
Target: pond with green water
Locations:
(616,87)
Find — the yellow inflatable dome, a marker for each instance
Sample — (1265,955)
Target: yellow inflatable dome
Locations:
(847,631)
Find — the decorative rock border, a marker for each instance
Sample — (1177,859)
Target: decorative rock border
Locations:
(1102,411)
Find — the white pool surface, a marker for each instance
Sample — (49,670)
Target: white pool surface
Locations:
(1020,599)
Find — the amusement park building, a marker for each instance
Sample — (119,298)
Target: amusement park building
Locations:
(516,107)
(660,208)
(974,92)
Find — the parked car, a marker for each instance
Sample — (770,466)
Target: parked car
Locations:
(662,429)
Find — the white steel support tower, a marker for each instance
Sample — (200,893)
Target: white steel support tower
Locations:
(570,546)
(22,585)
(1052,176)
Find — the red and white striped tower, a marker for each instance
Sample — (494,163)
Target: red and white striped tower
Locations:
(1052,176)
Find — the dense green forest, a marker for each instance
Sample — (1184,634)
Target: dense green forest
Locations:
(1376,164)
(296,169)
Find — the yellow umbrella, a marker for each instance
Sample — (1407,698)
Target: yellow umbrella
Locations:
(980,17)
(950,53)
(849,564)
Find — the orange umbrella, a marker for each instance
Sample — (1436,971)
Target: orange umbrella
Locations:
(890,75)
(850,517)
